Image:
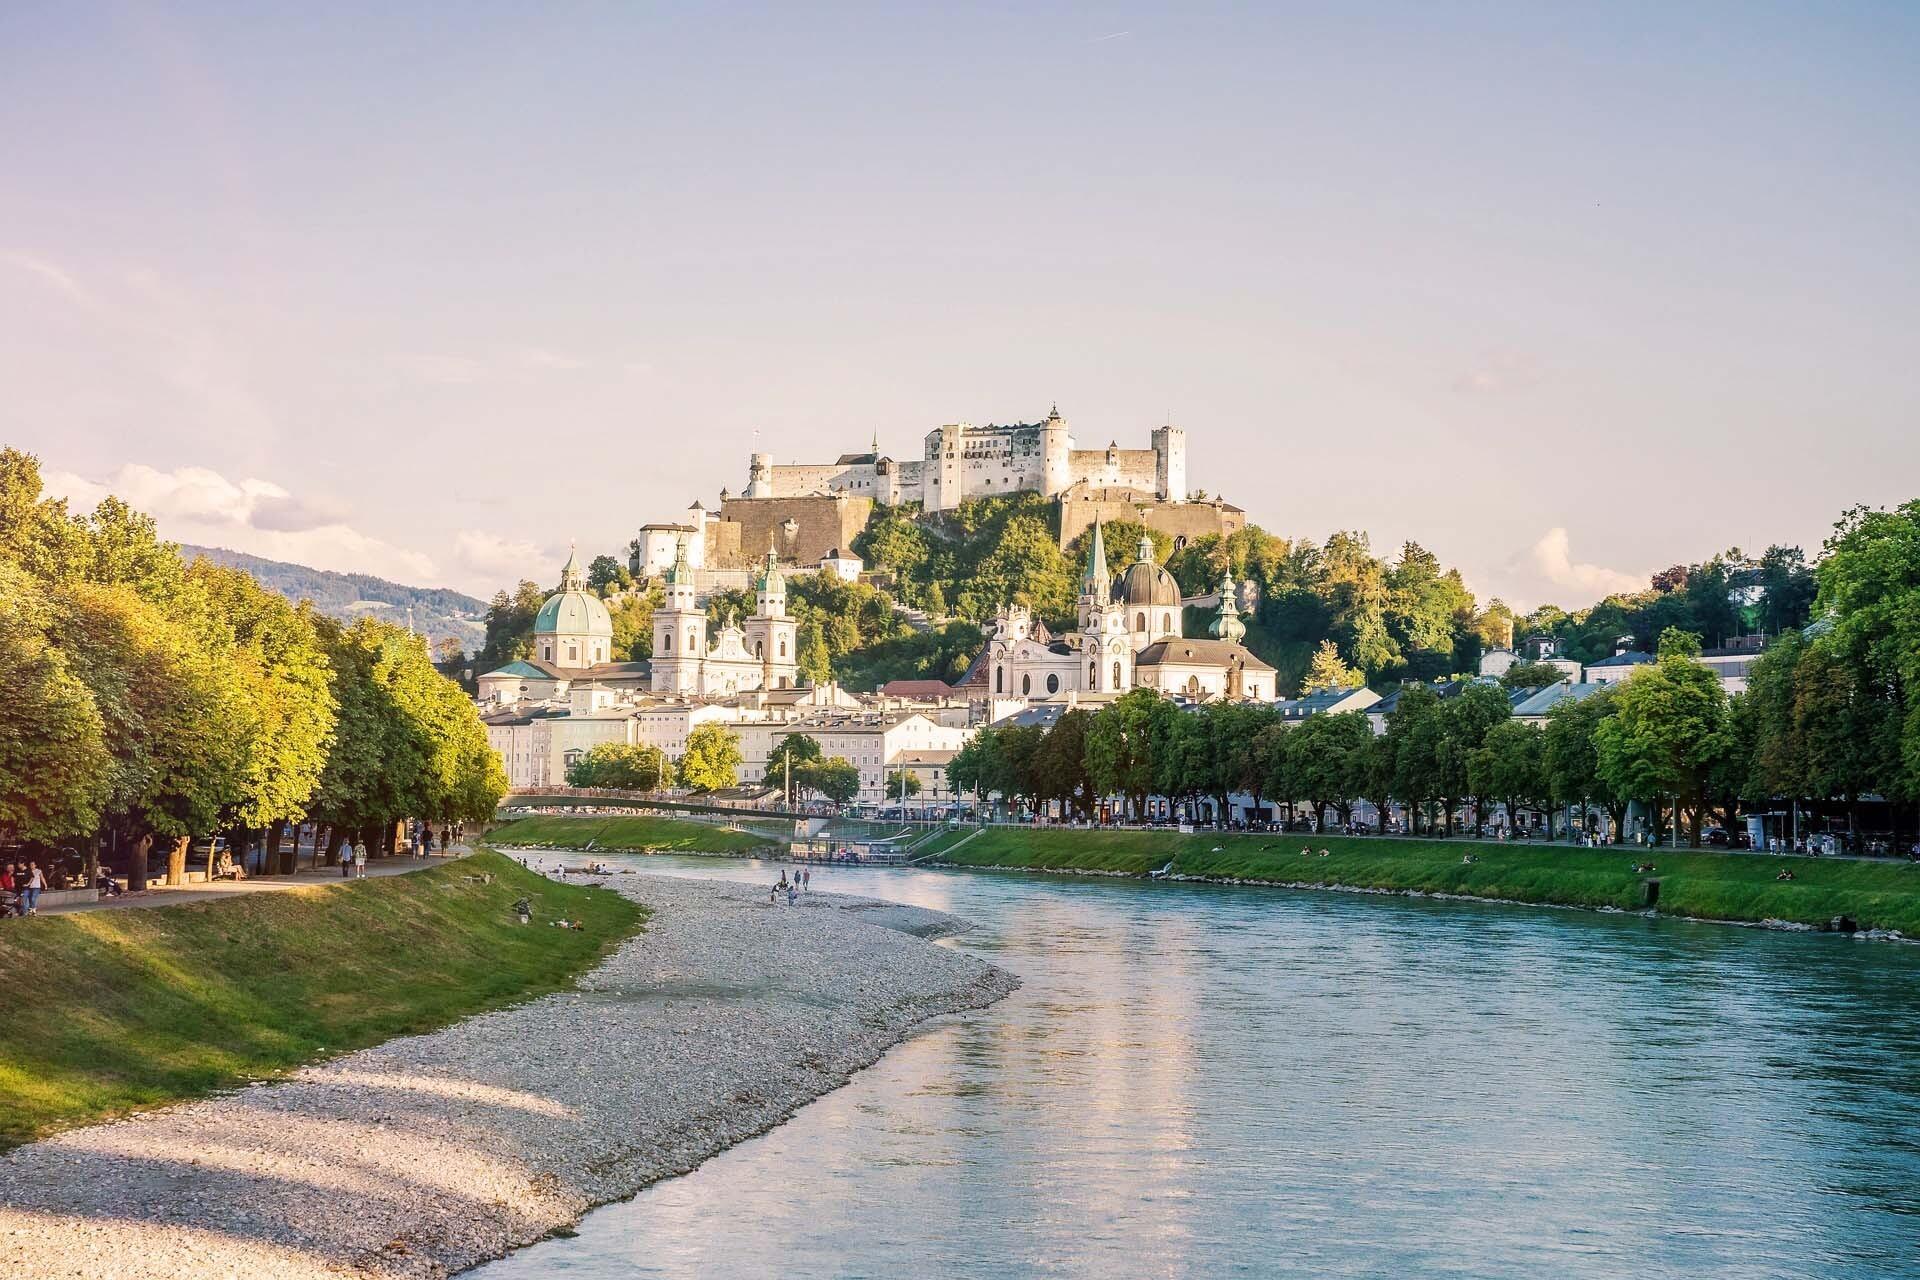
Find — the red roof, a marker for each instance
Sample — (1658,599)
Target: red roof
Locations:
(916,689)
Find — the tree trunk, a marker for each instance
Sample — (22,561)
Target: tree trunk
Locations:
(335,838)
(177,861)
(137,863)
(93,860)
(272,856)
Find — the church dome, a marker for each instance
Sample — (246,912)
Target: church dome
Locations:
(573,613)
(573,610)
(1146,583)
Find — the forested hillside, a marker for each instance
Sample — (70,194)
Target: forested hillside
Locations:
(438,613)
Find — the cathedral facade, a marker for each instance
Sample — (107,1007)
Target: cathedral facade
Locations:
(1129,634)
(763,652)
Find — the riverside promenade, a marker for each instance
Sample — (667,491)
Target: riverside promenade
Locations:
(163,895)
(431,1153)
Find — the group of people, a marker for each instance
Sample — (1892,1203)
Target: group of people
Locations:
(801,882)
(21,885)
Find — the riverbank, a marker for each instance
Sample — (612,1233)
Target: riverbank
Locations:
(1695,884)
(110,1011)
(637,833)
(431,1154)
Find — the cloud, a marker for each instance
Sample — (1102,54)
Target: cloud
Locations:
(448,371)
(1552,558)
(1506,371)
(541,358)
(500,560)
(200,505)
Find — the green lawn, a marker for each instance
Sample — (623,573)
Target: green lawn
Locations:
(635,832)
(1718,886)
(112,1011)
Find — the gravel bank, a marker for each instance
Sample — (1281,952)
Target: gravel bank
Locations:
(430,1154)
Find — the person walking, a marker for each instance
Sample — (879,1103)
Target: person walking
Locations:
(36,881)
(346,860)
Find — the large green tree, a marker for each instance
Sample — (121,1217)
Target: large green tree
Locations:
(1667,736)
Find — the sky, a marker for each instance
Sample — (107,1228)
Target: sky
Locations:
(1566,293)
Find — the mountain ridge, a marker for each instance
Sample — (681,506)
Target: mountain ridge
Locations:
(438,612)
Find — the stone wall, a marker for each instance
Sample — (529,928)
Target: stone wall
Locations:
(818,525)
(1080,505)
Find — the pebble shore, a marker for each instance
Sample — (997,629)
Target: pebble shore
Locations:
(431,1154)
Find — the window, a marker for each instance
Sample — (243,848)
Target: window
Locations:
(1093,674)
(691,642)
(1139,622)
(783,646)
(1053,683)
(1116,675)
(1026,684)
(1166,622)
(757,647)
(999,680)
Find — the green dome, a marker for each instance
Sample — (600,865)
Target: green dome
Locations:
(573,613)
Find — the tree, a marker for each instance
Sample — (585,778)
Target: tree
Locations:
(1870,589)
(510,626)
(1570,760)
(903,784)
(1417,732)
(632,618)
(837,778)
(712,758)
(1532,675)
(626,766)
(794,749)
(1060,764)
(1120,747)
(54,765)
(816,668)
(1667,734)
(1509,766)
(1469,716)
(1328,671)
(606,575)
(1327,757)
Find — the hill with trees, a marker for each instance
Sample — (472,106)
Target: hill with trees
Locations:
(438,613)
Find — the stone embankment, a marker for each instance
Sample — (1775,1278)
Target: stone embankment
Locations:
(433,1153)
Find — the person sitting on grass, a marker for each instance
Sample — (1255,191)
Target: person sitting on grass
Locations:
(1786,873)
(1326,853)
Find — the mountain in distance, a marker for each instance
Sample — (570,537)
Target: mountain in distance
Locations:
(437,611)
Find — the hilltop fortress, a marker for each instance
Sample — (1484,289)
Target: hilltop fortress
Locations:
(962,461)
(810,512)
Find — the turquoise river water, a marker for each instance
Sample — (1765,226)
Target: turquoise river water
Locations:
(1203,1081)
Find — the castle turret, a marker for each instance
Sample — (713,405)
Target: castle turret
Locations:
(1170,462)
(759,476)
(1056,454)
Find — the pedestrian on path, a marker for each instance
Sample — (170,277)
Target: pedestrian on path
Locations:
(35,883)
(346,860)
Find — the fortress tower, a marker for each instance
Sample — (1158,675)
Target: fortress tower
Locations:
(1170,462)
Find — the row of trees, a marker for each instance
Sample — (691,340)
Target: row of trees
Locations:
(156,700)
(1830,717)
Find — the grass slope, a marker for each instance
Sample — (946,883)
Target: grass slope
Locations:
(111,1011)
(637,832)
(1716,886)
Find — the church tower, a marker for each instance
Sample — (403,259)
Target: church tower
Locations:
(771,636)
(679,632)
(1105,646)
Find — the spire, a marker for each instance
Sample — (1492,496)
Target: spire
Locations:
(1097,579)
(571,578)
(1146,547)
(1228,626)
(680,573)
(1053,414)
(876,442)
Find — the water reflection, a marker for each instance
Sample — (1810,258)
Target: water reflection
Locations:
(1198,1081)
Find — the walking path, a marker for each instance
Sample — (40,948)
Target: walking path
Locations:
(162,895)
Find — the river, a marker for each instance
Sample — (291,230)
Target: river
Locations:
(1201,1081)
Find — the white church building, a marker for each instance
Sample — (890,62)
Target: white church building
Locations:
(1129,635)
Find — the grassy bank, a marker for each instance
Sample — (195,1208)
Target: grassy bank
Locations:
(638,832)
(1716,886)
(111,1011)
